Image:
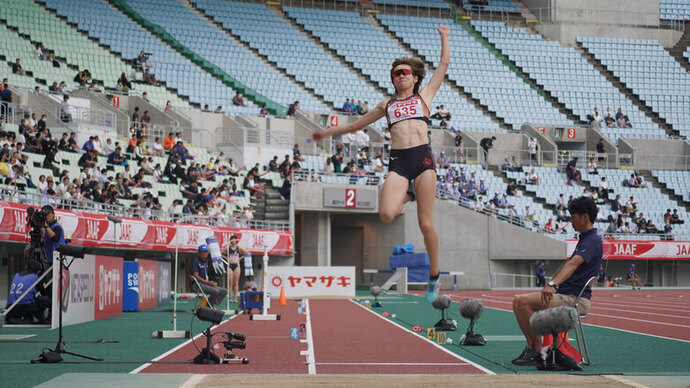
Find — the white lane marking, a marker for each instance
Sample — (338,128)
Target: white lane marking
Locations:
(311,358)
(396,363)
(139,369)
(426,339)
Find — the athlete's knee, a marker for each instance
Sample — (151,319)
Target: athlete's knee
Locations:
(386,216)
(427,226)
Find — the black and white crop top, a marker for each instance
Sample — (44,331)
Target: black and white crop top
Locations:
(409,108)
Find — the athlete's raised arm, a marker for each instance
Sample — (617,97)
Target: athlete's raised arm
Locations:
(429,91)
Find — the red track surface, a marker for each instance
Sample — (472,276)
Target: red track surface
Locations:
(664,313)
(351,339)
(269,347)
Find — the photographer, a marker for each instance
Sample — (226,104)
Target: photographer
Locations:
(54,236)
(31,306)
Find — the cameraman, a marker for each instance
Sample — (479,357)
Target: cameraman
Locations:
(54,236)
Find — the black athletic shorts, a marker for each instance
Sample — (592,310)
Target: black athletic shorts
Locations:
(412,162)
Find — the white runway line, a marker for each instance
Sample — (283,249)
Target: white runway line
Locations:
(426,339)
(397,363)
(144,366)
(311,359)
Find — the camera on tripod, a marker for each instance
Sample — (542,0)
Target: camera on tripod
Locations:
(235,341)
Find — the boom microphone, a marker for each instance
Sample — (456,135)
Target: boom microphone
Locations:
(441,302)
(553,320)
(471,308)
(71,250)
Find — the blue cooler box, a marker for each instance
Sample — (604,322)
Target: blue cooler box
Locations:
(417,266)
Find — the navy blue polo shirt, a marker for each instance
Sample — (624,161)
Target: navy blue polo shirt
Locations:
(591,249)
(200,266)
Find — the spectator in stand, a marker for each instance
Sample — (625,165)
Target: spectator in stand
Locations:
(487,144)
(88,159)
(592,167)
(601,153)
(631,206)
(622,120)
(257,189)
(675,218)
(442,160)
(512,189)
(263,112)
(158,149)
(548,227)
(632,181)
(108,147)
(296,154)
(169,142)
(116,158)
(88,145)
(123,83)
(149,78)
(17,67)
(541,274)
(62,88)
(182,152)
(595,118)
(273,164)
(286,188)
(616,205)
(346,106)
(640,181)
(40,52)
(49,161)
(572,172)
(610,122)
(365,108)
(604,188)
(65,115)
(5,100)
(292,109)
(238,100)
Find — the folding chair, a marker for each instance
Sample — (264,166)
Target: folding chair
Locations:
(585,359)
(199,294)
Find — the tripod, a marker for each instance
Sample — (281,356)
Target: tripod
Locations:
(54,356)
(206,356)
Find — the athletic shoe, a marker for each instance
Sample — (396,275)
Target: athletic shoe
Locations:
(432,289)
(528,357)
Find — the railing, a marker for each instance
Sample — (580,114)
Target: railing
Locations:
(14,194)
(410,9)
(668,162)
(611,160)
(603,17)
(369,179)
(8,112)
(90,116)
(513,280)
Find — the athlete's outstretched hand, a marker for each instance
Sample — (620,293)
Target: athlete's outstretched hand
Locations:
(443,30)
(318,135)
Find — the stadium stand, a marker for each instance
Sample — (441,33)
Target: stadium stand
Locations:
(564,73)
(649,71)
(77,50)
(265,31)
(126,38)
(492,6)
(328,27)
(502,92)
(674,9)
(226,53)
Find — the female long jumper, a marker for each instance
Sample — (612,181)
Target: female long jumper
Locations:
(411,158)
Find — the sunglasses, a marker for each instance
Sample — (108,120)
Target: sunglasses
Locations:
(401,72)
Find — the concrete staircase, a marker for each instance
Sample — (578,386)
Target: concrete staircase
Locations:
(651,179)
(680,47)
(271,207)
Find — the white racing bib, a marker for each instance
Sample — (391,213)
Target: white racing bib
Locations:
(400,110)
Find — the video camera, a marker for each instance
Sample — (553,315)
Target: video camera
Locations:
(36,220)
(238,344)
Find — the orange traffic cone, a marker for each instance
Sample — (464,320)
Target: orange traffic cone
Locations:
(282,301)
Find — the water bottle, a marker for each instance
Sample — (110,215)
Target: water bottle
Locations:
(449,341)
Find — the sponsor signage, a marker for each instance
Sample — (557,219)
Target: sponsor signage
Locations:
(311,281)
(95,230)
(148,296)
(79,292)
(641,250)
(109,275)
(164,277)
(351,198)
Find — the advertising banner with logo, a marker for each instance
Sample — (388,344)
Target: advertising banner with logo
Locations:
(148,294)
(130,288)
(109,276)
(641,250)
(164,276)
(79,291)
(95,230)
(311,281)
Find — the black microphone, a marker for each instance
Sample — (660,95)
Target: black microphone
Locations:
(71,250)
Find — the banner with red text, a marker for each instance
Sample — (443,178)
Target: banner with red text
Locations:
(310,281)
(641,250)
(78,292)
(148,295)
(109,276)
(95,230)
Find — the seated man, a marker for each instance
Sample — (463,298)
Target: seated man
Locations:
(30,306)
(633,278)
(200,267)
(566,283)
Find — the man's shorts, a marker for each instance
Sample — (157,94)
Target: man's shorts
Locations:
(412,162)
(569,300)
